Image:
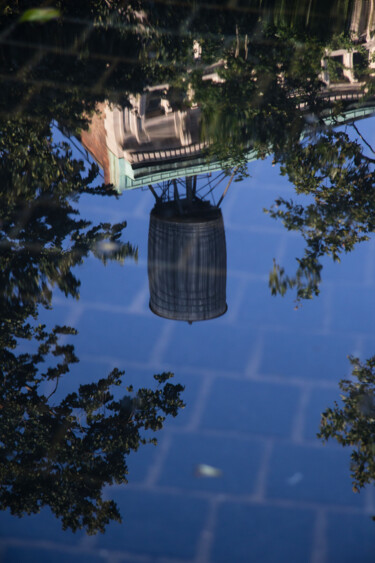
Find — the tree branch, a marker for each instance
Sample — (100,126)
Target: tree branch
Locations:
(363,139)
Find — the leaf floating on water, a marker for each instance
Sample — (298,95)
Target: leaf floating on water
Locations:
(295,479)
(40,15)
(203,470)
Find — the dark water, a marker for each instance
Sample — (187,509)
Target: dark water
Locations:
(163,379)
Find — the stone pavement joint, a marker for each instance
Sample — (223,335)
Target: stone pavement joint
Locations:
(299,421)
(231,315)
(155,471)
(328,317)
(201,403)
(140,301)
(261,483)
(252,367)
(369,278)
(319,552)
(208,533)
(161,343)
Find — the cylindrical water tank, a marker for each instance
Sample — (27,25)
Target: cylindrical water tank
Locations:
(187,263)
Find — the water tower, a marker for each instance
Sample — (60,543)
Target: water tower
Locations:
(187,260)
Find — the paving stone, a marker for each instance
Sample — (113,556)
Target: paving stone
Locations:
(211,345)
(306,356)
(237,459)
(42,526)
(63,312)
(351,537)
(37,555)
(113,284)
(353,310)
(352,269)
(261,309)
(251,407)
(140,462)
(235,284)
(254,194)
(248,258)
(156,524)
(367,349)
(126,559)
(262,534)
(293,245)
(136,232)
(126,207)
(116,335)
(311,474)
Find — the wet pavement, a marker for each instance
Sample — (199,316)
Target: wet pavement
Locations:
(256,381)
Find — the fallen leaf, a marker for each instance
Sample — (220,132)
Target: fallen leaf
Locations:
(203,470)
(40,15)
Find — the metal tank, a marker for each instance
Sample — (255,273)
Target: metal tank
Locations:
(187,260)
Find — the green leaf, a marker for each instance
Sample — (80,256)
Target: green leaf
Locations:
(40,15)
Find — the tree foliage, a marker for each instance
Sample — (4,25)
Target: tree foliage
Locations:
(42,236)
(62,455)
(353,423)
(58,455)
(255,105)
(340,212)
(270,100)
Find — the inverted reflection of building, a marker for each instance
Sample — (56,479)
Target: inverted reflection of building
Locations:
(187,262)
(166,151)
(158,137)
(135,149)
(150,142)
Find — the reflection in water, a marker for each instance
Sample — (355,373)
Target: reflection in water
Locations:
(136,147)
(153,141)
(244,101)
(187,257)
(63,455)
(58,455)
(155,94)
(338,175)
(353,424)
